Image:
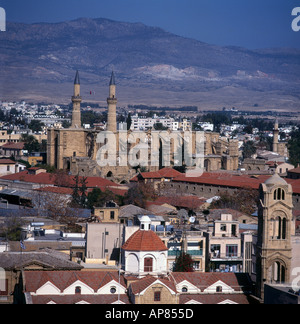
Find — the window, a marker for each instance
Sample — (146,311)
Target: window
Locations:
(3,286)
(280,228)
(219,289)
(215,250)
(78,290)
(148,265)
(157,296)
(223,228)
(231,251)
(279,194)
(184,289)
(278,272)
(112,215)
(113,290)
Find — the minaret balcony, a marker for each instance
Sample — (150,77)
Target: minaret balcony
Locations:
(76,98)
(112,101)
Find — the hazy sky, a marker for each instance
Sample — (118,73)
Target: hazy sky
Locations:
(246,23)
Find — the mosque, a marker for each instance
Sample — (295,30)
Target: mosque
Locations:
(77,150)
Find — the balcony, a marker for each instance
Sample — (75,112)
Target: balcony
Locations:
(190,252)
(225,257)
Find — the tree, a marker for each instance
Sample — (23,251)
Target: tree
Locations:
(160,126)
(83,192)
(129,122)
(249,149)
(294,148)
(248,129)
(98,198)
(11,229)
(139,194)
(36,126)
(31,143)
(184,263)
(58,208)
(76,200)
(244,200)
(61,178)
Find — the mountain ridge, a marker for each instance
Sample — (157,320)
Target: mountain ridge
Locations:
(41,57)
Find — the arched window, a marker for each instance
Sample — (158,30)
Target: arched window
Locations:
(109,174)
(283,234)
(279,194)
(184,289)
(278,272)
(280,228)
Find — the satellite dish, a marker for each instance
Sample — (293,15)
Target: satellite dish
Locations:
(192,219)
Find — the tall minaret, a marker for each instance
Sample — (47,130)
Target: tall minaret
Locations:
(112,106)
(76,99)
(276,136)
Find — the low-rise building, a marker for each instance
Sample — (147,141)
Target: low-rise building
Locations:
(98,287)
(12,264)
(227,252)
(7,167)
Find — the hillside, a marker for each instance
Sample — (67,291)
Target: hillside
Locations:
(38,63)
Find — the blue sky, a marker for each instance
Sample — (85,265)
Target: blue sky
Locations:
(246,23)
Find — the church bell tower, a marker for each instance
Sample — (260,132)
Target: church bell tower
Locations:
(275,229)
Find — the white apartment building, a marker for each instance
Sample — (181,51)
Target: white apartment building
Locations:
(144,123)
(207,126)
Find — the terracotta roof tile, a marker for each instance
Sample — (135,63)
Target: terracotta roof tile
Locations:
(13,146)
(168,173)
(7,161)
(233,181)
(63,279)
(210,299)
(51,179)
(140,285)
(75,299)
(144,241)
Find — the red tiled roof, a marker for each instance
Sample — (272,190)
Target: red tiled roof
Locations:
(181,201)
(13,146)
(210,299)
(7,161)
(50,178)
(63,279)
(168,173)
(42,178)
(75,299)
(50,181)
(296,170)
(57,190)
(142,284)
(144,241)
(237,281)
(233,181)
